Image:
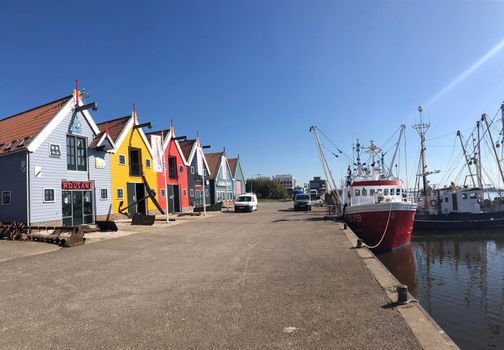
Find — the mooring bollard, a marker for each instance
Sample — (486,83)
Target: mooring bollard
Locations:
(360,244)
(344,226)
(402,293)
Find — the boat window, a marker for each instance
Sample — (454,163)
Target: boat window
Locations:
(379,190)
(385,192)
(392,191)
(357,193)
(464,196)
(473,195)
(371,192)
(364,192)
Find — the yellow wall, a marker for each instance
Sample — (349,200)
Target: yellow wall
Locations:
(121,175)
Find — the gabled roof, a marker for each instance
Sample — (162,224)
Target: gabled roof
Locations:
(25,126)
(214,162)
(115,126)
(233,165)
(118,128)
(186,147)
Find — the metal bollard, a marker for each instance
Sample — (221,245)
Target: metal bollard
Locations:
(402,293)
(360,244)
(344,226)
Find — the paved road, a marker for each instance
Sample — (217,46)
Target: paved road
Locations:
(271,279)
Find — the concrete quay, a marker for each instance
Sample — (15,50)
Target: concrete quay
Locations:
(273,279)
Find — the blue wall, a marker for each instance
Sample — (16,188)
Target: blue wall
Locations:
(13,178)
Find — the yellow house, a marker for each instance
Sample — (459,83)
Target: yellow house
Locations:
(130,163)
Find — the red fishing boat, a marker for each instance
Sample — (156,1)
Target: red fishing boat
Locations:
(376,206)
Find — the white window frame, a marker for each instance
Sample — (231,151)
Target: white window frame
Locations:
(54,144)
(119,159)
(54,195)
(10,197)
(184,192)
(163,192)
(191,192)
(149,162)
(117,193)
(192,170)
(106,198)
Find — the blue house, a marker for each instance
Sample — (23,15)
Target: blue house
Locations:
(221,179)
(54,165)
(238,177)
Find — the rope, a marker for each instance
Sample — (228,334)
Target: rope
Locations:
(384,231)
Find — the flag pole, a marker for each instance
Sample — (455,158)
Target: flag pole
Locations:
(203,178)
(164,165)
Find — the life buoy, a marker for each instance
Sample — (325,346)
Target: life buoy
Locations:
(433,202)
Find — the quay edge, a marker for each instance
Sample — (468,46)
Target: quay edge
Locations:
(429,334)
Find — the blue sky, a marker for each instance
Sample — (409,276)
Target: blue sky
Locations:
(253,76)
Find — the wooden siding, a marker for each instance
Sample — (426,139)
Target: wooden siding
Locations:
(13,178)
(121,175)
(54,170)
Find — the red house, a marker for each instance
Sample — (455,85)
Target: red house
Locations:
(175,173)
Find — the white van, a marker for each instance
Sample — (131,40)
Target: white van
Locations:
(246,202)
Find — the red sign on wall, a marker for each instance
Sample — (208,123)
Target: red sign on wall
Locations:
(76,185)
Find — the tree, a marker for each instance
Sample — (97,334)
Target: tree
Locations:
(264,187)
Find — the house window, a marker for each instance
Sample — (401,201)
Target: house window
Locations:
(135,162)
(172,167)
(163,192)
(6,198)
(48,195)
(191,192)
(55,151)
(181,168)
(206,192)
(120,193)
(76,153)
(192,170)
(184,192)
(104,193)
(122,159)
(147,163)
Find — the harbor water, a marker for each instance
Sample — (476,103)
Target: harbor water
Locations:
(459,280)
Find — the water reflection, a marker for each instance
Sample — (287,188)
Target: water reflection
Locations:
(459,280)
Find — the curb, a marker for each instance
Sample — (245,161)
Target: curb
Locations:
(429,334)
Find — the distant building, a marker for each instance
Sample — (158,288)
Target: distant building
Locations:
(286,180)
(318,184)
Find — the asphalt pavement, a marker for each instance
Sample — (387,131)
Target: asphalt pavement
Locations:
(273,279)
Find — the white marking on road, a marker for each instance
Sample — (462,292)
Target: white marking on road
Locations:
(290,329)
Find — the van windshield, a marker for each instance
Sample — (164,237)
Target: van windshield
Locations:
(302,196)
(245,199)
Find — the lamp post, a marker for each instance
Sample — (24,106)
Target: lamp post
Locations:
(251,183)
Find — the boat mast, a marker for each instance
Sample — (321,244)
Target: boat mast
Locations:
(327,171)
(422,130)
(466,157)
(478,158)
(402,127)
(484,119)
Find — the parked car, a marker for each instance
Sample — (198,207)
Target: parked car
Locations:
(302,202)
(246,202)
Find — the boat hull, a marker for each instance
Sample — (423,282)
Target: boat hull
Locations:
(456,222)
(393,222)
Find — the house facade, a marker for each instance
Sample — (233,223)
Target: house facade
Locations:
(238,177)
(221,179)
(130,164)
(54,166)
(195,181)
(175,190)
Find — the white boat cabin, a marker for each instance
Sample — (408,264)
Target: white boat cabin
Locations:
(449,200)
(375,191)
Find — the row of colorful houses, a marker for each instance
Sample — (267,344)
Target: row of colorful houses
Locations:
(59,167)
